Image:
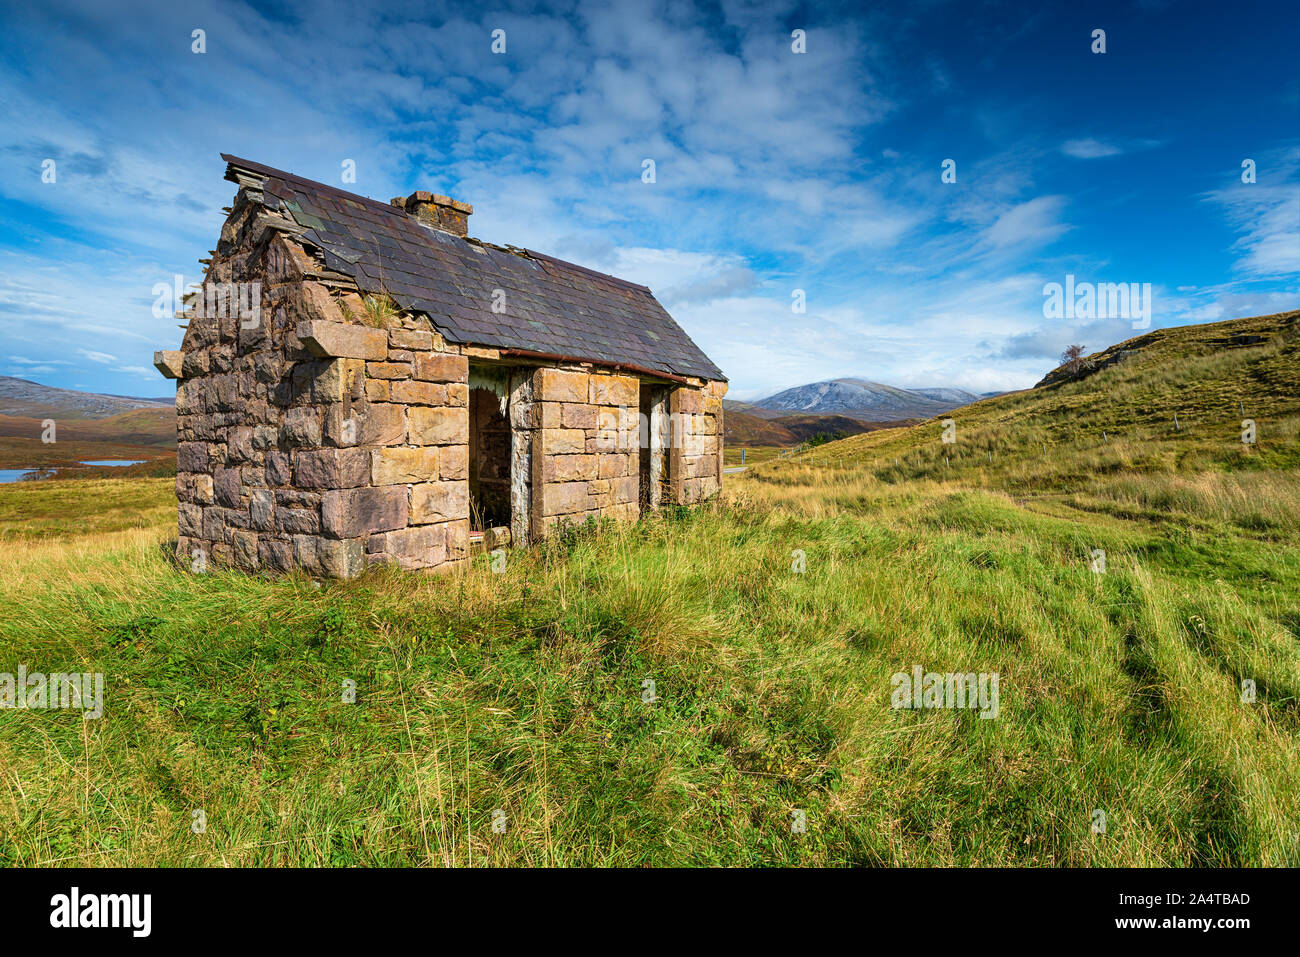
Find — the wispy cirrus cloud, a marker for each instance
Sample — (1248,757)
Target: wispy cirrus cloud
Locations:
(1093,148)
(1265,215)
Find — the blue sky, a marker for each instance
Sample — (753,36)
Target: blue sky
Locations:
(775,170)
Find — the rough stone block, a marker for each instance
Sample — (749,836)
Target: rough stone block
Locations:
(264,437)
(410,339)
(244,550)
(343,340)
(261,509)
(335,380)
(297,521)
(438,426)
(453,463)
(570,468)
(577,415)
(388,370)
(189,519)
(417,393)
(341,559)
(563,441)
(615,390)
(419,546)
(192,457)
(225,483)
(626,489)
(457,540)
(611,466)
(169,362)
(332,468)
(349,513)
(607,420)
(558,385)
(301,427)
(439,502)
(304,553)
(194,364)
(204,491)
(275,554)
(278,468)
(403,466)
(214,524)
(440,367)
(371,424)
(565,497)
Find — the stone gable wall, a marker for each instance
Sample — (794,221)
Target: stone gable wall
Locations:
(329,463)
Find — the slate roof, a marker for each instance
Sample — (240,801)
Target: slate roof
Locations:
(552,306)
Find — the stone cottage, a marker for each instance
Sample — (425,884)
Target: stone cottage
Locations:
(361,382)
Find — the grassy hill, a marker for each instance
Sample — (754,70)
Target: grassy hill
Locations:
(1172,400)
(772,627)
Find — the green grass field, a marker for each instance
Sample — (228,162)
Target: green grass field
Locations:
(770,625)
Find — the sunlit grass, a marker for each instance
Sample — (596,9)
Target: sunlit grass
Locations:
(770,625)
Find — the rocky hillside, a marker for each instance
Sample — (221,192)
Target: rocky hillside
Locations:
(19,397)
(1199,340)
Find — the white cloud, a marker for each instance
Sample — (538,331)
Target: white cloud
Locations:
(1266,215)
(1030,223)
(1089,149)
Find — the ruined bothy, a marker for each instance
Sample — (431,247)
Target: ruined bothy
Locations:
(363,383)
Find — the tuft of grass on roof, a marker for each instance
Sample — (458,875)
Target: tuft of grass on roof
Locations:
(379,309)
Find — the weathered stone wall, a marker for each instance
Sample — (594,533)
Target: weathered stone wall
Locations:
(695,458)
(587,457)
(287,457)
(585,454)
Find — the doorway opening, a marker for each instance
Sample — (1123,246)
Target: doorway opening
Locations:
(652,406)
(489,455)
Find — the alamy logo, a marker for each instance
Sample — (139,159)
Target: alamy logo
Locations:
(679,430)
(103,910)
(213,300)
(1102,300)
(37,690)
(923,689)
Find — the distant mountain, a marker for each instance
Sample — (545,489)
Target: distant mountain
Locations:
(863,399)
(957,397)
(19,397)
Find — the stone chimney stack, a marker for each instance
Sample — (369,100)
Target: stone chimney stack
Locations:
(441,212)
